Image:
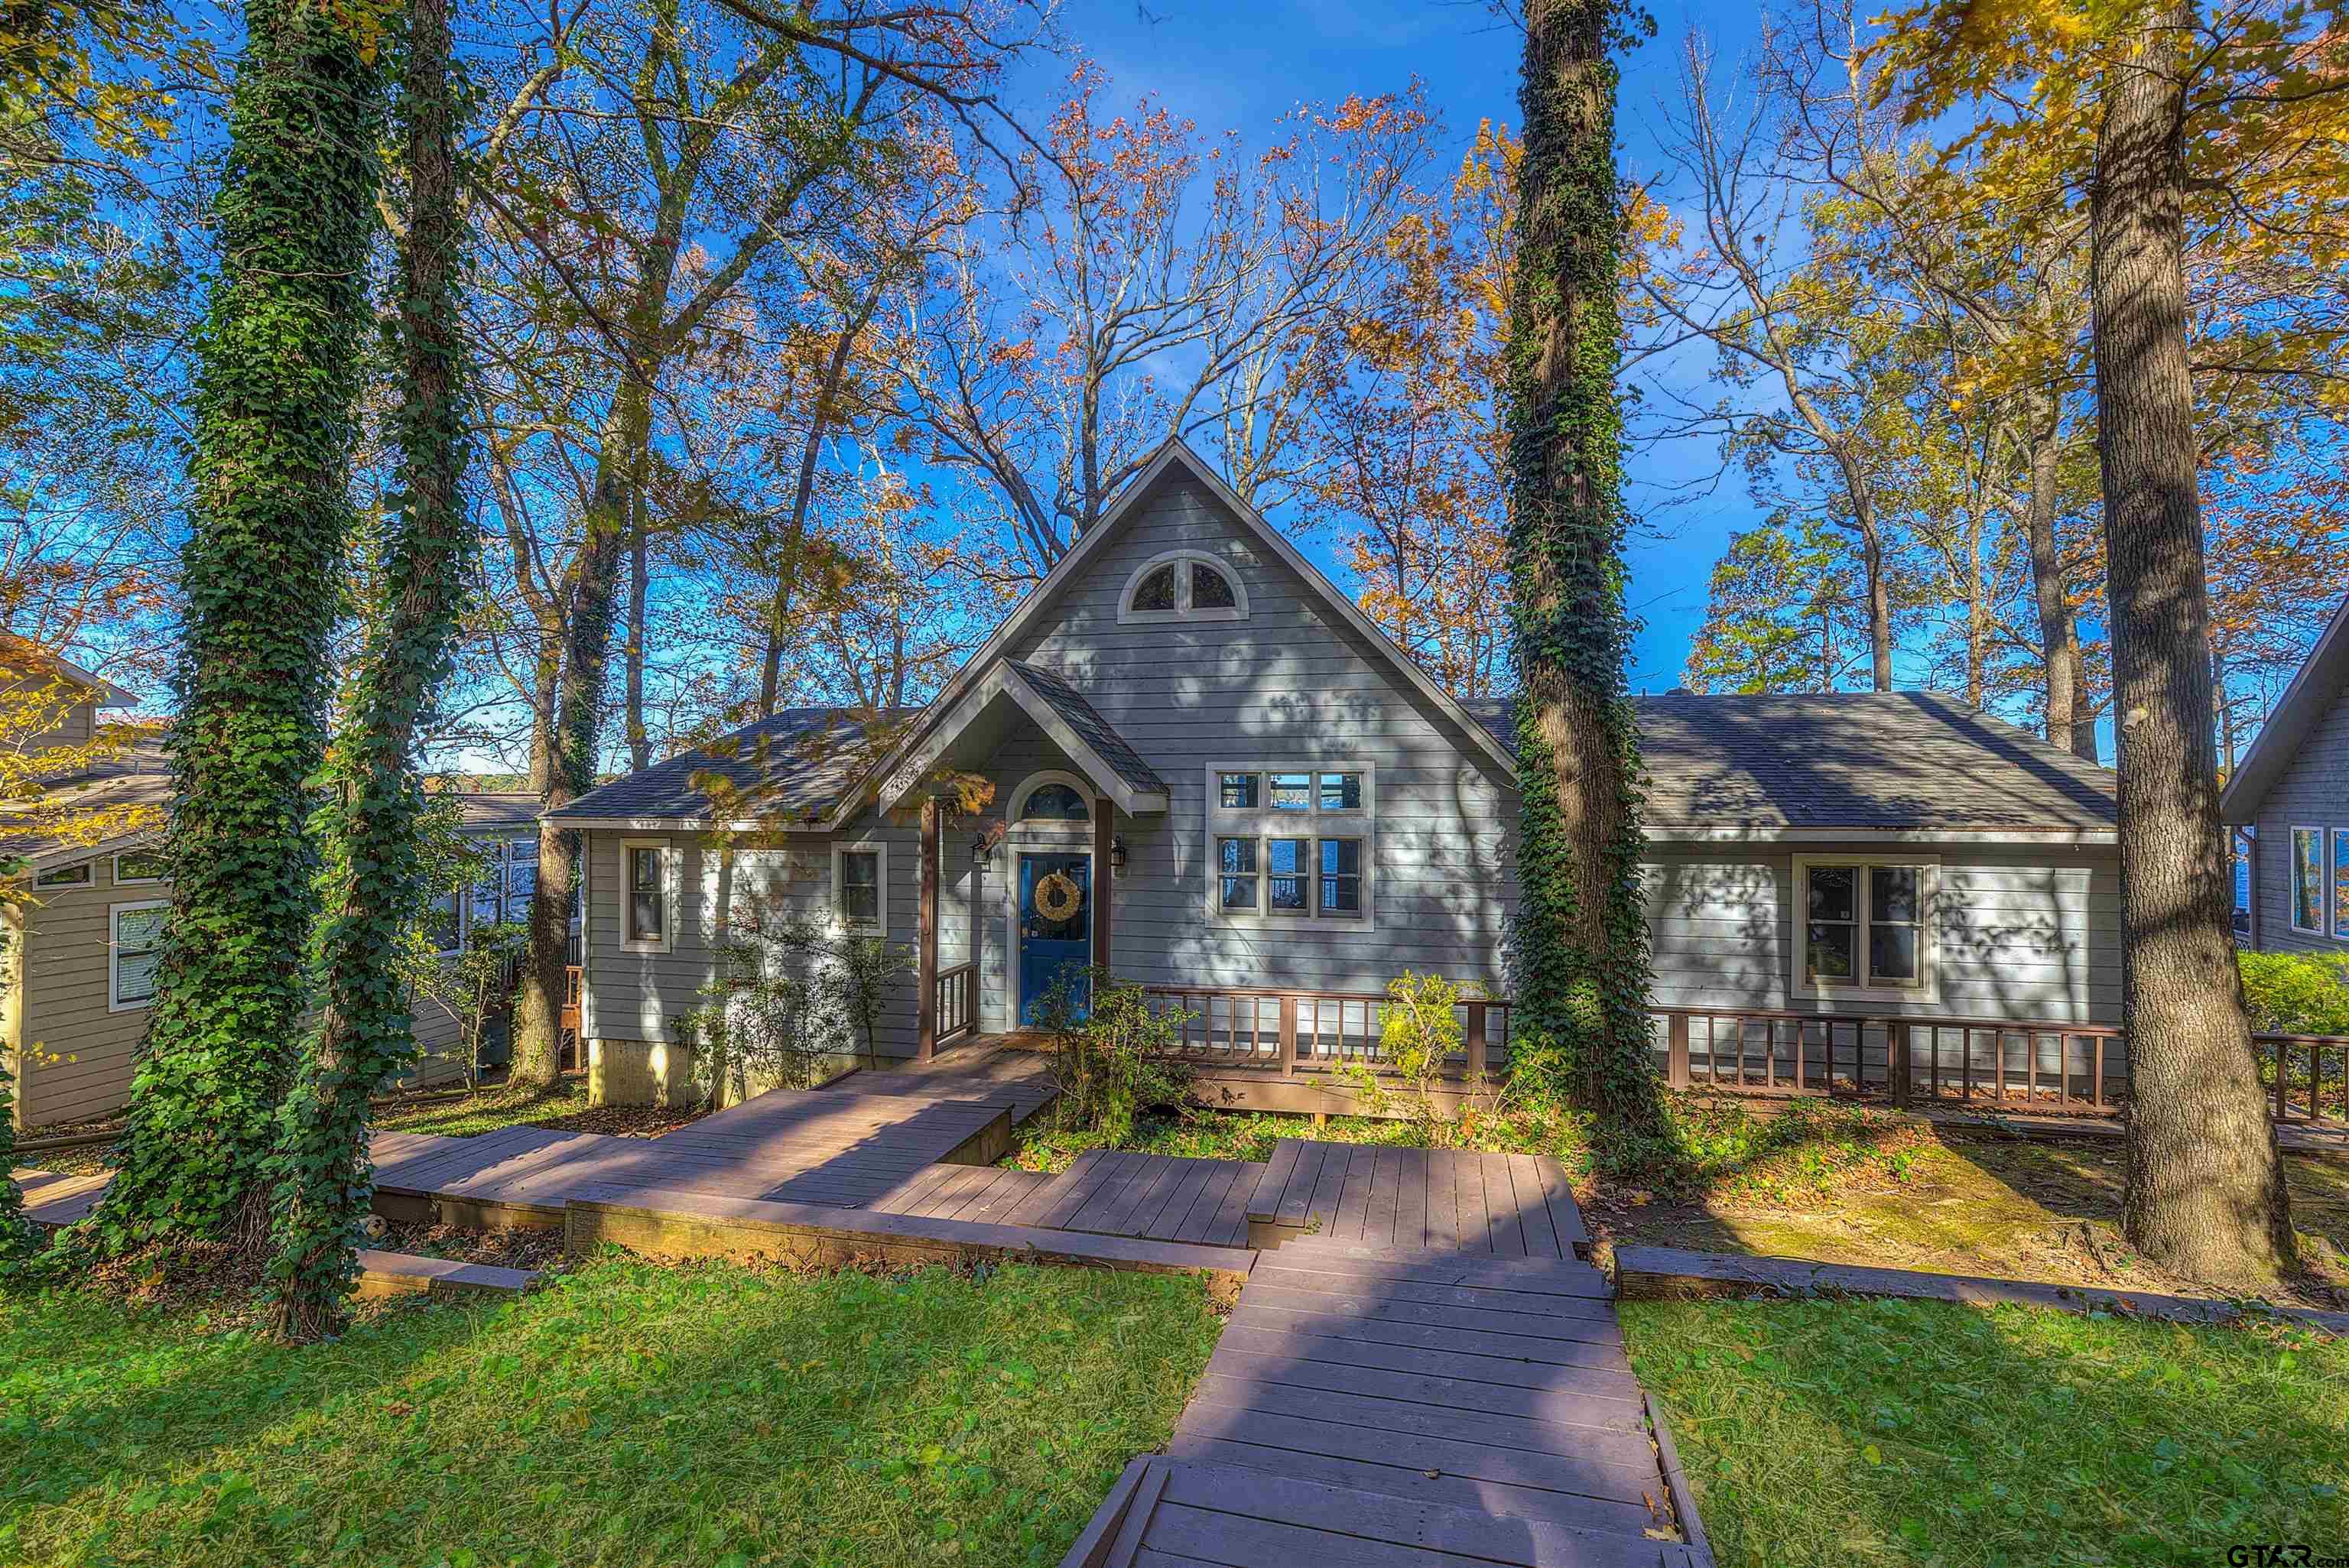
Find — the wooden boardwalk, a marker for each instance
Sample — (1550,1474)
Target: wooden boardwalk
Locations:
(1432,1379)
(1440,1200)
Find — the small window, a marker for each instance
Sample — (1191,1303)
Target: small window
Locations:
(860,888)
(2341,882)
(1290,791)
(1210,589)
(2308,879)
(1243,882)
(2242,847)
(1158,589)
(1240,791)
(137,954)
(139,866)
(1180,585)
(647,913)
(1341,791)
(489,900)
(1341,876)
(521,878)
(65,876)
(1864,926)
(1053,802)
(441,926)
(1288,864)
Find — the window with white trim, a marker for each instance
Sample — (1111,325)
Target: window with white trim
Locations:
(1183,585)
(2341,883)
(139,866)
(647,895)
(1864,926)
(65,876)
(860,887)
(134,953)
(1291,843)
(2307,907)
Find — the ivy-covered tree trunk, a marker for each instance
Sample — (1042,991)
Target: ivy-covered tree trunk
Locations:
(279,363)
(373,885)
(1582,943)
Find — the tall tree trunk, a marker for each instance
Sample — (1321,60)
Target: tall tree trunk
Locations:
(1581,940)
(279,373)
(2069,721)
(787,563)
(1879,593)
(375,882)
(640,581)
(2205,1195)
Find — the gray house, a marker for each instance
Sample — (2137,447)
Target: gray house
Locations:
(1203,768)
(2289,803)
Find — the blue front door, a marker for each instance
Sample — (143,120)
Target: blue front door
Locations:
(1056,936)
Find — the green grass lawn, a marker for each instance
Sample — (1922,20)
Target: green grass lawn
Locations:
(1912,1432)
(629,1415)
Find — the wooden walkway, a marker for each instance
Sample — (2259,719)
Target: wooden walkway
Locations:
(1459,1398)
(1440,1200)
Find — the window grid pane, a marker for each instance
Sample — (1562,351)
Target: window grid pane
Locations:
(2307,886)
(1341,791)
(2341,882)
(138,954)
(1240,791)
(1289,861)
(1341,876)
(1290,791)
(1156,591)
(643,895)
(64,876)
(1210,590)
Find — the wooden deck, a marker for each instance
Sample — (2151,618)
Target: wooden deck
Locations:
(1437,1199)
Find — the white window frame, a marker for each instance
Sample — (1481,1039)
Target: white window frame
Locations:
(1927,987)
(1128,616)
(879,850)
(1035,782)
(498,847)
(2340,926)
(114,913)
(2292,879)
(116,868)
(1264,823)
(670,861)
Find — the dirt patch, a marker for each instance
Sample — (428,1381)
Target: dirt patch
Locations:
(620,1120)
(1978,1204)
(510,1249)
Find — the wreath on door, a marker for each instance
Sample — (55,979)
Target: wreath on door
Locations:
(1058,898)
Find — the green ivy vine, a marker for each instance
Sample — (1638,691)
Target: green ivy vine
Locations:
(279,373)
(374,887)
(1581,952)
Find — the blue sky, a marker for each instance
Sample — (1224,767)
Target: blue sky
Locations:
(1229,65)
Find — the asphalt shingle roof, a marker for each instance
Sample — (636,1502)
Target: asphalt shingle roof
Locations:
(1851,759)
(797,764)
(1107,742)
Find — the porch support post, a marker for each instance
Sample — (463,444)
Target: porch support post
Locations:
(925,995)
(1104,816)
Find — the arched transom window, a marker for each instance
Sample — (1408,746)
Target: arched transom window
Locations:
(1053,801)
(1183,585)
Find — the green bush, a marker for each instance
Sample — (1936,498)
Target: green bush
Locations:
(2297,993)
(1113,1058)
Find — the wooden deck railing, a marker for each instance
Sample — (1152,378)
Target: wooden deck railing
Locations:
(956,989)
(2077,1068)
(1294,1030)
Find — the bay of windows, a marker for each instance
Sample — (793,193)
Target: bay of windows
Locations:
(1291,843)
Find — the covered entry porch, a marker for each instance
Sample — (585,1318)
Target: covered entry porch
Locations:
(1062,788)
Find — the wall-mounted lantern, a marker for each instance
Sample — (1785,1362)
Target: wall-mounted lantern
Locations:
(1117,853)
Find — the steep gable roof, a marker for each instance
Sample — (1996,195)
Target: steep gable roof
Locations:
(2315,686)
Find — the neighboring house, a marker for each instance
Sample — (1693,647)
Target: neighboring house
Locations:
(1285,813)
(79,976)
(2289,801)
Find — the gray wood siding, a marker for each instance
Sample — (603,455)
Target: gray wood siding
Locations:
(65,1013)
(2312,792)
(2024,934)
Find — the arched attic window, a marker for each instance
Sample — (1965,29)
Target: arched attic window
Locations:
(1183,585)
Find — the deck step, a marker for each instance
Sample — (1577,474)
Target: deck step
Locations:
(1173,1509)
(383,1274)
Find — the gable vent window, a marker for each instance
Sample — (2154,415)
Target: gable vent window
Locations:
(1183,585)
(1289,844)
